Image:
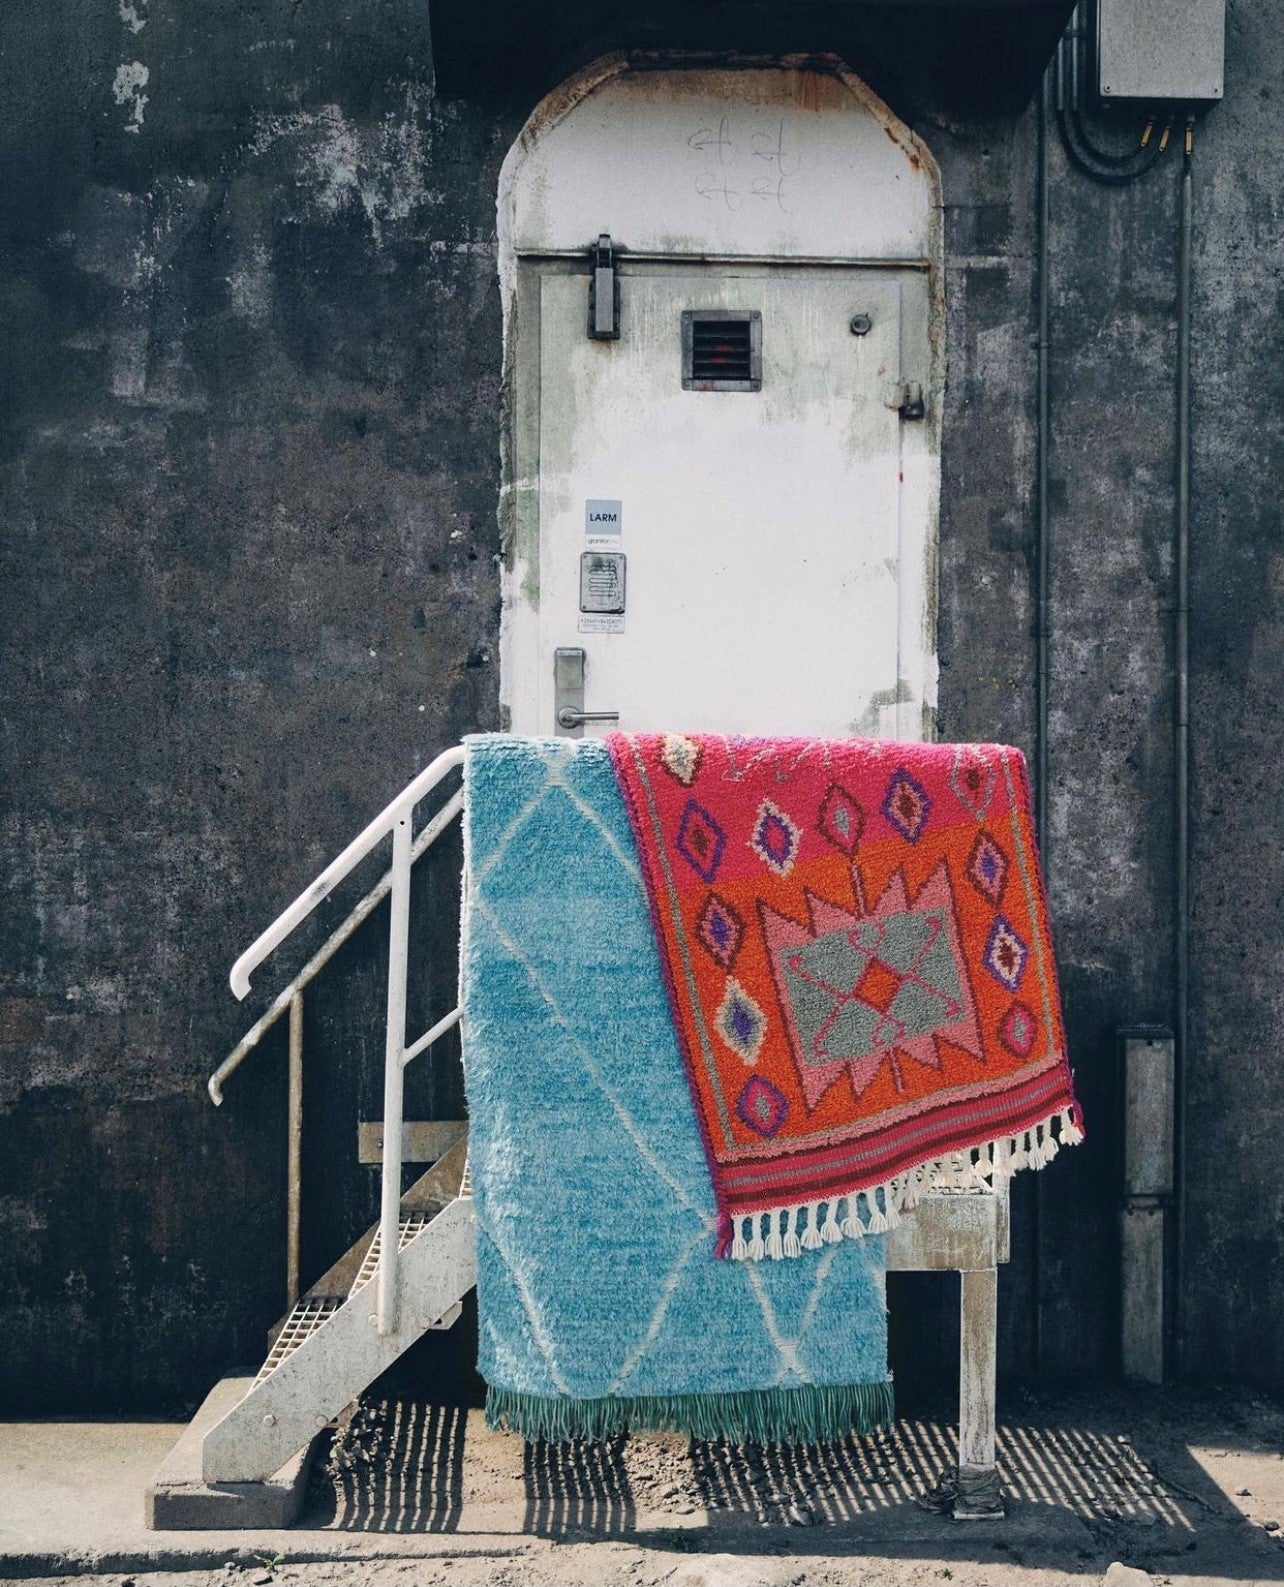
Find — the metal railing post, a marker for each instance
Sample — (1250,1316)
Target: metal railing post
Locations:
(294,1154)
(398,954)
(397,818)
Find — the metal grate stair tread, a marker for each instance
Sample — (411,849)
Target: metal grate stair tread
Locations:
(304,1320)
(410,1224)
(332,1349)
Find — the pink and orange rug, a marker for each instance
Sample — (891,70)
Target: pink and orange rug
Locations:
(855,942)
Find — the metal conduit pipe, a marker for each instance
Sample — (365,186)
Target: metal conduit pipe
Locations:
(1181,732)
(1042,641)
(1061,96)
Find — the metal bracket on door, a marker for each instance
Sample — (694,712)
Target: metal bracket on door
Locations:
(604,292)
(568,693)
(906,396)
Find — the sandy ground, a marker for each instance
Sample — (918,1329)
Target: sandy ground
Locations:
(1189,1488)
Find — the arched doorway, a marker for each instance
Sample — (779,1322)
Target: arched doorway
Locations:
(722,294)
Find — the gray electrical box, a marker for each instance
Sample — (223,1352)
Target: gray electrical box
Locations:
(1149,1068)
(1173,50)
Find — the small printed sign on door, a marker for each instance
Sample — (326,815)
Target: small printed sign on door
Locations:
(603,524)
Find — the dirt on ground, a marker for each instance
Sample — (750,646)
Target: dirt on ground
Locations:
(1186,1489)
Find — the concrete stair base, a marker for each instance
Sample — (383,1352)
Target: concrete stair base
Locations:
(179,1500)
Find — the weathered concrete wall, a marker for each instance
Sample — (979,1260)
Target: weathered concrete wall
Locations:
(250,464)
(1236,1117)
(1112,485)
(250,468)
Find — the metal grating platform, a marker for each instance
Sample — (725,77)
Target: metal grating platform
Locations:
(305,1319)
(410,1225)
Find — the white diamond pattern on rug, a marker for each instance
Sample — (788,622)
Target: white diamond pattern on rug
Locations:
(632,1316)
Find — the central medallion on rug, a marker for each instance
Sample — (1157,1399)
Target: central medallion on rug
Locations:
(856,950)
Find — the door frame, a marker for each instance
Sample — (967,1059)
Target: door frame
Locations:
(520,271)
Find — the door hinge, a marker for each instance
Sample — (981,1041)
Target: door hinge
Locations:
(604,292)
(912,405)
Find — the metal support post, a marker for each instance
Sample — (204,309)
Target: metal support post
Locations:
(979,1496)
(398,952)
(294,1153)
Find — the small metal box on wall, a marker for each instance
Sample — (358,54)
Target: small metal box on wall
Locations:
(1155,50)
(1148,1075)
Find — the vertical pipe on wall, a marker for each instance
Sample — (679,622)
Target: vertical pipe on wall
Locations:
(1181,728)
(1042,637)
(1041,625)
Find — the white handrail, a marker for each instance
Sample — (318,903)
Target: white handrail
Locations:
(326,952)
(338,868)
(398,819)
(445,1023)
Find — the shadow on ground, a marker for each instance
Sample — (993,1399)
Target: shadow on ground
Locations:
(1087,1478)
(398,1466)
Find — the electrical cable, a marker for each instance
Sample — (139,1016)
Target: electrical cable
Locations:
(1116,175)
(1115,161)
(1110,169)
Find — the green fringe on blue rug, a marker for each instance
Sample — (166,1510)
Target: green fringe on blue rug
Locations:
(807,1414)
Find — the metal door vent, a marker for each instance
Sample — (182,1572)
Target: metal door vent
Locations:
(721,350)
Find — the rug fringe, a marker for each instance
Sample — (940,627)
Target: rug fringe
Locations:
(790,1230)
(806,1414)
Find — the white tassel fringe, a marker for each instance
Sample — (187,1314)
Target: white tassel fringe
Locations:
(789,1231)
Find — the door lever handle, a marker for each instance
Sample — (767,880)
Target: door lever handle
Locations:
(569,718)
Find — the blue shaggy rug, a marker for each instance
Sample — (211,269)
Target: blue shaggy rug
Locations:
(603,1306)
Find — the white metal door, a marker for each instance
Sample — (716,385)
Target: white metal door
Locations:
(761,529)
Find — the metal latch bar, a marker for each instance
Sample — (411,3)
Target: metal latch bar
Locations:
(604,292)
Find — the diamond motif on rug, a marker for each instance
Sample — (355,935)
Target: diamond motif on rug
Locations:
(987,868)
(701,841)
(907,805)
(720,930)
(1005,955)
(775,839)
(762,1107)
(680,757)
(740,1022)
(972,776)
(1018,1030)
(862,992)
(842,821)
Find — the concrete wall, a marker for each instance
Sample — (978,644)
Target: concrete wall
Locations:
(249,463)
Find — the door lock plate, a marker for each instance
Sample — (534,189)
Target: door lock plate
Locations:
(568,694)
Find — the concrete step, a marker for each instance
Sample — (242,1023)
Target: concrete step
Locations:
(181,1500)
(242,1463)
(331,1364)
